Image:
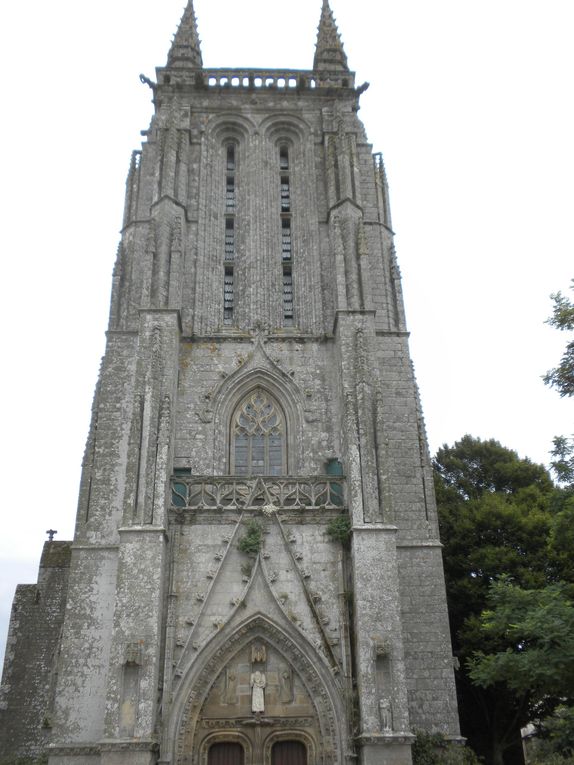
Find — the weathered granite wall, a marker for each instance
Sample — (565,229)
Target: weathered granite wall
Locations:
(31,662)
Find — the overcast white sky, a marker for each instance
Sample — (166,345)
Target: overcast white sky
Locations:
(471,104)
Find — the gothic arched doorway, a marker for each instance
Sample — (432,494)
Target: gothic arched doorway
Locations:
(297,705)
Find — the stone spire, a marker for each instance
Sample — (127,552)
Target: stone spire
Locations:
(329,53)
(185,48)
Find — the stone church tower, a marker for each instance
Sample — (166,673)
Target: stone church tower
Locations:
(256,574)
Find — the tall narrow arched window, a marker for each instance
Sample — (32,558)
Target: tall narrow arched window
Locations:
(258,436)
(230,233)
(286,236)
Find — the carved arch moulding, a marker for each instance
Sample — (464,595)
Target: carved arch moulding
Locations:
(223,738)
(314,674)
(281,128)
(259,371)
(229,127)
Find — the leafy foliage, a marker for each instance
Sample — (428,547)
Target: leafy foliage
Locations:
(250,543)
(472,467)
(563,459)
(495,519)
(534,630)
(562,376)
(435,749)
(339,529)
(561,538)
(555,742)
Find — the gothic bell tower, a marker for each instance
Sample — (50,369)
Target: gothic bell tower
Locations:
(256,573)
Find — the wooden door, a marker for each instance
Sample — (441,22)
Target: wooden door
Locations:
(226,753)
(289,753)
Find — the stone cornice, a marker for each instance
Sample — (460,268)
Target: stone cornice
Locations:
(413,544)
(385,739)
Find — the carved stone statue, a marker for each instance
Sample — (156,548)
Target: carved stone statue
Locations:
(286,686)
(258,683)
(386,713)
(230,694)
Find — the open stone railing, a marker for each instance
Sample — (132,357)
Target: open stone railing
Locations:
(260,79)
(282,80)
(258,492)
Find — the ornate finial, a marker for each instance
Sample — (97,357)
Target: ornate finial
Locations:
(185,48)
(329,53)
(51,533)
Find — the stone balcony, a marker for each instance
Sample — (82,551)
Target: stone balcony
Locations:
(282,80)
(258,492)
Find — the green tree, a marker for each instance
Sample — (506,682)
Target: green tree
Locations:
(555,741)
(534,657)
(495,519)
(563,460)
(562,376)
(534,630)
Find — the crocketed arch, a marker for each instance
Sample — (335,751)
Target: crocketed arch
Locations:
(258,438)
(312,671)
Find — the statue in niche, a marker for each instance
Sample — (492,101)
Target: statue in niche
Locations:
(386,713)
(258,683)
(258,654)
(286,685)
(230,689)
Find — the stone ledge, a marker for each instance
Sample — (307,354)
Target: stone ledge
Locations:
(385,739)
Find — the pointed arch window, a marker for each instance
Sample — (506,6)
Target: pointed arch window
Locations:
(258,436)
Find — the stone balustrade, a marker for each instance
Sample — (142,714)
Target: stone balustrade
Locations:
(258,492)
(283,80)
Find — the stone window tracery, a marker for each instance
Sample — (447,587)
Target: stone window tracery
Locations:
(258,436)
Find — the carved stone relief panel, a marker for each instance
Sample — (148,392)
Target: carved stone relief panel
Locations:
(257,695)
(297,696)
